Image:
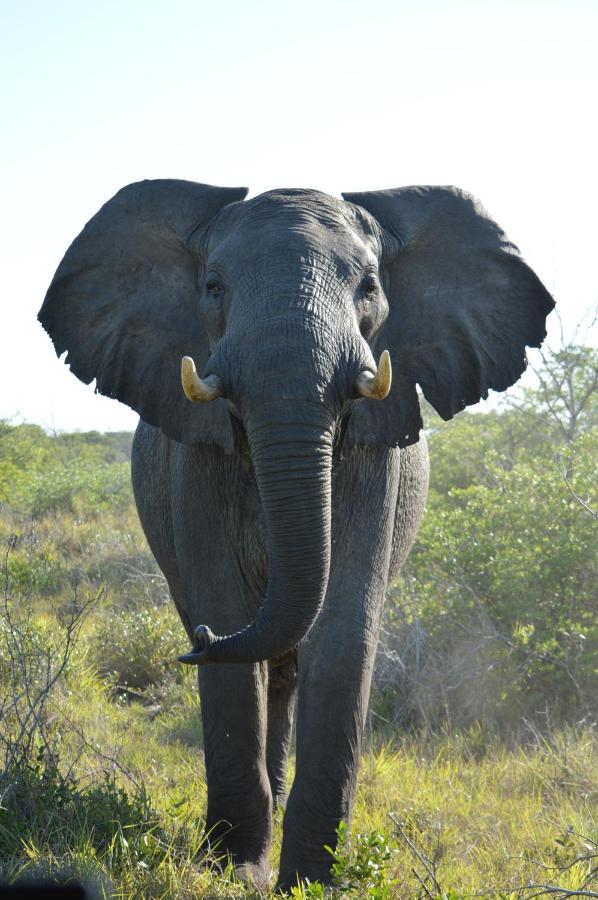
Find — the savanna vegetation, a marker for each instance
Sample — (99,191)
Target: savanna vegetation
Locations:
(480,773)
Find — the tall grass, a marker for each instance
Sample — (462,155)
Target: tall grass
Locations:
(112,788)
(462,792)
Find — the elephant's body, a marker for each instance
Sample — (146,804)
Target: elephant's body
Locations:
(200,509)
(282,499)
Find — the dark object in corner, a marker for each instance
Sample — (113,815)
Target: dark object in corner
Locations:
(44,890)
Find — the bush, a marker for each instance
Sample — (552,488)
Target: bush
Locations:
(137,647)
(493,619)
(360,863)
(34,653)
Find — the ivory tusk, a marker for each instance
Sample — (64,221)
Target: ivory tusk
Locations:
(199,390)
(376,387)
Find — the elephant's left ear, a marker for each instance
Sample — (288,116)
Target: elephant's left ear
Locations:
(463,307)
(124,303)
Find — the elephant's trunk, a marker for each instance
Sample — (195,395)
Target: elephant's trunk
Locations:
(293,464)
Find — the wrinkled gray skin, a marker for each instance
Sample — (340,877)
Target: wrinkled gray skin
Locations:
(279,514)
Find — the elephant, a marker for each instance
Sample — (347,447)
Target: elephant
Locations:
(280,470)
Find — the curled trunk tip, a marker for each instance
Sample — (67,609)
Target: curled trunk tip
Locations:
(203,638)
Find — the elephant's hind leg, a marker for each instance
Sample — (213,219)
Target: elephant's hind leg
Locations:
(282,691)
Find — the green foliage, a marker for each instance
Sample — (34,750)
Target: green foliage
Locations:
(493,620)
(66,507)
(310,890)
(138,647)
(565,396)
(78,485)
(360,862)
(490,643)
(42,801)
(78,474)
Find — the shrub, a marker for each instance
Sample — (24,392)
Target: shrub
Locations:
(361,862)
(137,646)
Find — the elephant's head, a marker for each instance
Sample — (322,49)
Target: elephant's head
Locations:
(285,302)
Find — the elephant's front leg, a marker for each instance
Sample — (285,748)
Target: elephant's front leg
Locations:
(218,522)
(239,814)
(336,664)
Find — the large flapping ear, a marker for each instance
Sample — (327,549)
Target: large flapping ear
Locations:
(124,303)
(463,307)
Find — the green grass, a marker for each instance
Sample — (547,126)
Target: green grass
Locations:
(481,817)
(470,793)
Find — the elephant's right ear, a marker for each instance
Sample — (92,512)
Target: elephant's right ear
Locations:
(124,303)
(463,306)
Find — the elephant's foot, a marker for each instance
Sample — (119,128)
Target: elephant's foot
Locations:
(304,857)
(287,881)
(251,873)
(245,848)
(257,874)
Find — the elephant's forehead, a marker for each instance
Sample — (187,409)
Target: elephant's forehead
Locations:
(300,219)
(296,205)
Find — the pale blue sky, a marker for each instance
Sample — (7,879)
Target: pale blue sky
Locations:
(499,98)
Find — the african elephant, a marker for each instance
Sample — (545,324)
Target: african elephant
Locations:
(283,489)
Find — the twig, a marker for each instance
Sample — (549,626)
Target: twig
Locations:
(554,889)
(582,837)
(579,500)
(423,883)
(107,758)
(425,862)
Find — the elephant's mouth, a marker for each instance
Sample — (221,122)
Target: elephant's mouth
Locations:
(338,437)
(241,441)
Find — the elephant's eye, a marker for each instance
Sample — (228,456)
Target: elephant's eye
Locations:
(370,284)
(214,287)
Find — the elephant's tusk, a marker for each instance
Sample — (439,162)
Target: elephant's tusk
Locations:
(376,387)
(199,390)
